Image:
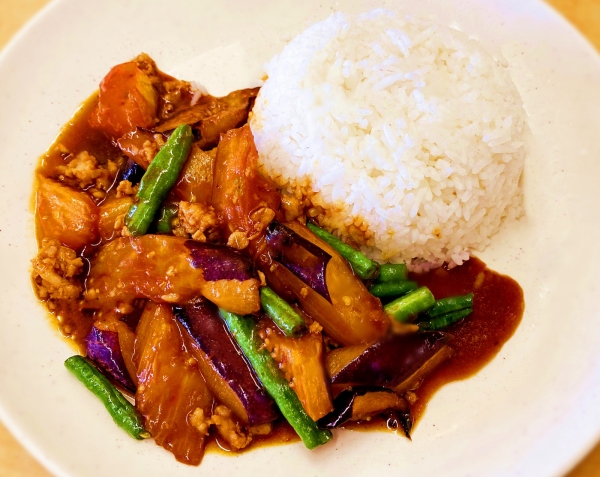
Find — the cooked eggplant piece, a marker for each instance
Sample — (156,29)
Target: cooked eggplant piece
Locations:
(230,278)
(364,402)
(375,402)
(212,128)
(349,296)
(304,259)
(339,358)
(156,267)
(171,387)
(352,316)
(227,374)
(204,108)
(102,347)
(397,362)
(340,327)
(219,263)
(127,345)
(132,172)
(302,362)
(213,116)
(161,268)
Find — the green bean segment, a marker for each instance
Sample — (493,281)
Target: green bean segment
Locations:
(443,321)
(282,314)
(406,308)
(393,289)
(121,410)
(167,213)
(364,267)
(450,304)
(392,272)
(158,180)
(243,329)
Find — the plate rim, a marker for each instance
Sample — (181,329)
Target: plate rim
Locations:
(5,416)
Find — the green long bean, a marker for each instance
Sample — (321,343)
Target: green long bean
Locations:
(166,214)
(158,180)
(405,308)
(450,304)
(443,321)
(363,266)
(121,410)
(282,314)
(244,331)
(392,272)
(392,289)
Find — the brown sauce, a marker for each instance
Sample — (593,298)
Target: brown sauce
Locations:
(281,434)
(77,135)
(498,307)
(497,311)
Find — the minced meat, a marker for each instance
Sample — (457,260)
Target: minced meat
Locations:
(54,270)
(84,172)
(197,220)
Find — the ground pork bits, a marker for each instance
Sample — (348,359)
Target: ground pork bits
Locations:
(54,269)
(227,427)
(84,171)
(150,148)
(125,189)
(198,220)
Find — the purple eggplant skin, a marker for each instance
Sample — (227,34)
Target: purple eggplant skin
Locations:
(391,361)
(132,172)
(220,262)
(228,366)
(342,406)
(301,257)
(103,349)
(342,411)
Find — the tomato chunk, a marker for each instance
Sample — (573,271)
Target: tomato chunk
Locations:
(127,100)
(246,200)
(66,214)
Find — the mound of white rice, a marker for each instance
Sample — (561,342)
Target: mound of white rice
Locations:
(408,134)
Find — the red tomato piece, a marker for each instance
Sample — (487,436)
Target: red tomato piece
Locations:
(127,100)
(240,194)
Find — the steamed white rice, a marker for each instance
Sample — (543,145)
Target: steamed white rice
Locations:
(407,134)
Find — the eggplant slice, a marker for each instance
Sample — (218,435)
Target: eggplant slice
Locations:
(227,374)
(364,402)
(103,349)
(397,362)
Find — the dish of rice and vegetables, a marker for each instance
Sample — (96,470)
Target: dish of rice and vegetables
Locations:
(292,259)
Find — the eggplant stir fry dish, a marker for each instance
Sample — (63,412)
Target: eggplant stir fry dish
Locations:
(209,308)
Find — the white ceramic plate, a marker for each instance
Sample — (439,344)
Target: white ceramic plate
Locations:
(533,411)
